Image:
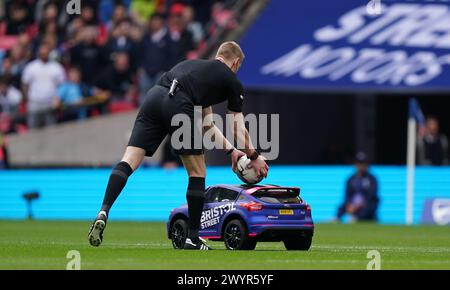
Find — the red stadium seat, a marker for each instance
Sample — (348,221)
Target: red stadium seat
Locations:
(7,41)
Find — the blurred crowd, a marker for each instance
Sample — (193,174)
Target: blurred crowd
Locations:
(56,66)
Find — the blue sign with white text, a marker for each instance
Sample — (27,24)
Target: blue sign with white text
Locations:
(436,211)
(349,45)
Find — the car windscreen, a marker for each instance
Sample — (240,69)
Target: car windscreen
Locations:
(278,196)
(218,194)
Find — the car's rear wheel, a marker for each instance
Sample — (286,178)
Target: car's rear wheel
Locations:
(298,243)
(236,237)
(178,233)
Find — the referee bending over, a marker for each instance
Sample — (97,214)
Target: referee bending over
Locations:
(190,83)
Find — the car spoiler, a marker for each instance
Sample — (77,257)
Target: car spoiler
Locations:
(256,189)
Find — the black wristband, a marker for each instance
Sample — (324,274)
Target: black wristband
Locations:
(230,151)
(254,155)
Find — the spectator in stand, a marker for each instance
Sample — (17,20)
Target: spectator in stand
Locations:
(182,38)
(107,9)
(73,31)
(10,98)
(194,27)
(24,40)
(136,34)
(202,8)
(41,11)
(14,63)
(88,14)
(18,17)
(49,29)
(121,41)
(156,53)
(361,193)
(116,83)
(49,15)
(89,57)
(119,14)
(40,80)
(432,146)
(69,97)
(141,10)
(6,68)
(56,53)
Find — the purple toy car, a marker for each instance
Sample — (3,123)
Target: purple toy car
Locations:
(242,215)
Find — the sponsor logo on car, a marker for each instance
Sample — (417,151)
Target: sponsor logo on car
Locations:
(212,216)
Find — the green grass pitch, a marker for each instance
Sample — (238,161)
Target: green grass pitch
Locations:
(127,245)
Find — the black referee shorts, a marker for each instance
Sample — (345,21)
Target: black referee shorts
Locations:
(153,122)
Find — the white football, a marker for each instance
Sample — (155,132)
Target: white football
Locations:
(245,172)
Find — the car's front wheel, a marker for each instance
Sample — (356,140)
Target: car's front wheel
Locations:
(298,243)
(178,233)
(236,237)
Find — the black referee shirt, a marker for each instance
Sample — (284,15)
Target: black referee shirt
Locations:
(208,82)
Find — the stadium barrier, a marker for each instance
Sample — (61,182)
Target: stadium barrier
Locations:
(95,142)
(76,194)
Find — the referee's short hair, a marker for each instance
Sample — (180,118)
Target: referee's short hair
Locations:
(230,50)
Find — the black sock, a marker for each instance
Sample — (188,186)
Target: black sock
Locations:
(195,198)
(116,183)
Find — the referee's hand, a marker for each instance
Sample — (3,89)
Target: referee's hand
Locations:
(235,155)
(260,166)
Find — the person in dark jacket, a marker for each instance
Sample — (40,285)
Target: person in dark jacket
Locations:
(432,145)
(156,53)
(89,57)
(361,193)
(116,82)
(121,41)
(182,38)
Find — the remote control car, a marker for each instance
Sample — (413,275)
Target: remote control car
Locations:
(242,215)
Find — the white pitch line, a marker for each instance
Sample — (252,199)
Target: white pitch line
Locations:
(314,248)
(335,248)
(289,261)
(343,261)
